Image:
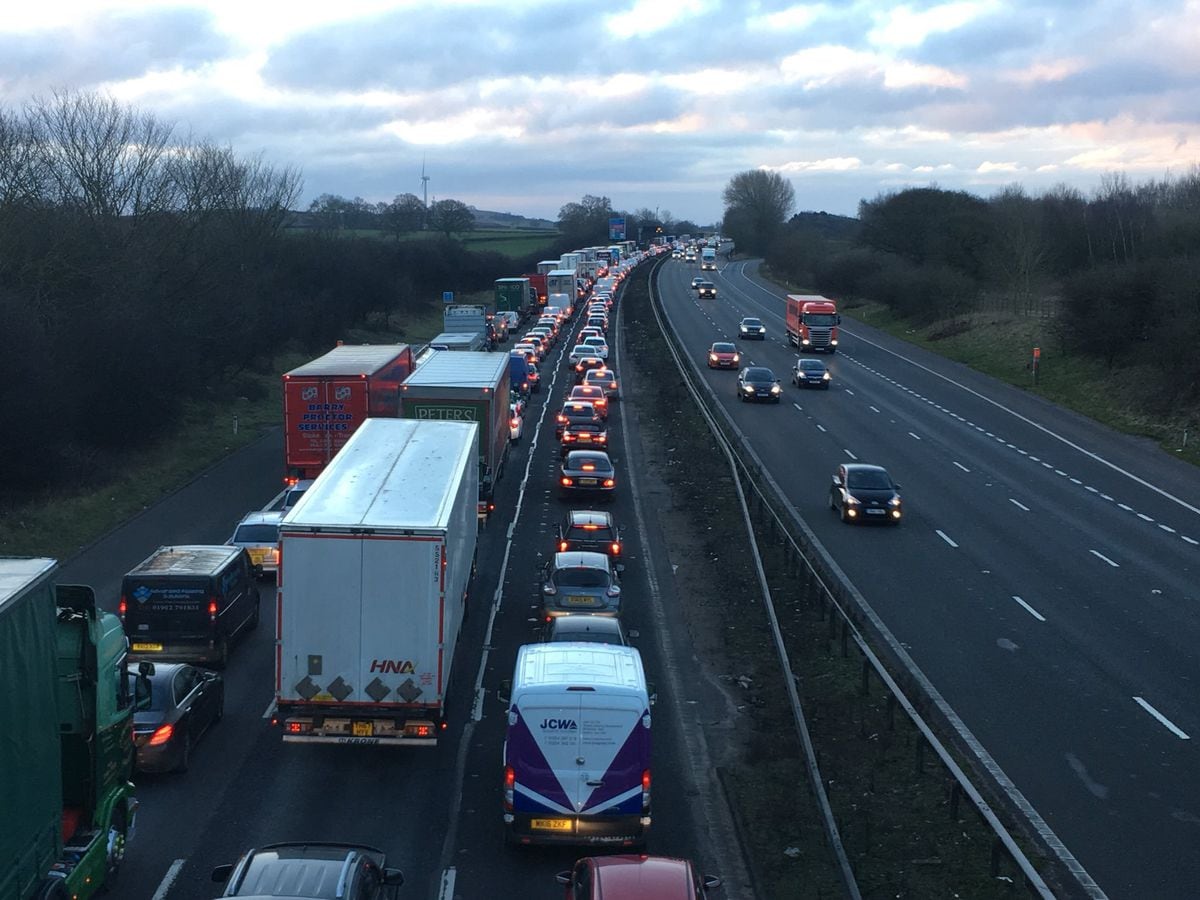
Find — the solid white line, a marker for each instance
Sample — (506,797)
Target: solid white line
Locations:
(851,455)
(873,409)
(1163,720)
(1100,555)
(270,711)
(961,466)
(910,434)
(1032,423)
(1144,517)
(945,538)
(1018,503)
(447,890)
(1190,540)
(168,880)
(1029,609)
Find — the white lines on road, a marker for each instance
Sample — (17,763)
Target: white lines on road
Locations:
(1018,504)
(1144,517)
(1166,528)
(961,466)
(1125,507)
(799,408)
(168,880)
(945,537)
(850,392)
(1089,488)
(447,889)
(821,427)
(1029,609)
(917,436)
(851,455)
(1099,555)
(873,409)
(1162,720)
(1194,543)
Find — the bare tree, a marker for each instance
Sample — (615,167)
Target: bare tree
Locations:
(757,203)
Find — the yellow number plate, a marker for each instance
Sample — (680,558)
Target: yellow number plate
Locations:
(550,824)
(147,648)
(580,600)
(362,729)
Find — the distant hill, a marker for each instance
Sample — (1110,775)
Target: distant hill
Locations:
(485,218)
(828,225)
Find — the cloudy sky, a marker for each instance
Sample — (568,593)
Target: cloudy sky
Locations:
(522,106)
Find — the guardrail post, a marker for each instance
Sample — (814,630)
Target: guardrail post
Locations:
(920,755)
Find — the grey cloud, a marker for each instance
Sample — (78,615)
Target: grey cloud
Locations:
(108,46)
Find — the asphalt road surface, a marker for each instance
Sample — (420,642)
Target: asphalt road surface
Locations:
(436,812)
(1044,578)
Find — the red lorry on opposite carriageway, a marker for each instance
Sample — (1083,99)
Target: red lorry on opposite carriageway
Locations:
(325,400)
(812,322)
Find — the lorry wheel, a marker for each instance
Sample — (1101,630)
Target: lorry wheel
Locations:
(118,829)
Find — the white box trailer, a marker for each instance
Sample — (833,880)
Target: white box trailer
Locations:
(375,564)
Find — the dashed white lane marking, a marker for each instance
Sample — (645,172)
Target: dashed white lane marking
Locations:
(945,537)
(961,466)
(821,427)
(168,880)
(1018,504)
(1194,543)
(917,436)
(851,455)
(873,409)
(1144,517)
(1099,555)
(799,408)
(1029,609)
(1166,528)
(1125,507)
(447,889)
(850,392)
(1162,720)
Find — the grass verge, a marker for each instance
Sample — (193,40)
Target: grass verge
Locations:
(904,830)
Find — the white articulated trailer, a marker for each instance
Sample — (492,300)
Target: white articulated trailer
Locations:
(375,564)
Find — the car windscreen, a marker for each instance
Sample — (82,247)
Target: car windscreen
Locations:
(581,577)
(870,480)
(256,534)
(753,323)
(759,375)
(724,348)
(812,365)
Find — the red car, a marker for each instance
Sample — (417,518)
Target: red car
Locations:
(629,877)
(723,355)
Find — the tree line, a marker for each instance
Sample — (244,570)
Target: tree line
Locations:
(403,215)
(1116,273)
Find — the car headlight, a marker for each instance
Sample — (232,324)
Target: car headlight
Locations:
(748,388)
(804,341)
(851,500)
(894,502)
(826,377)
(743,327)
(737,357)
(712,357)
(775,389)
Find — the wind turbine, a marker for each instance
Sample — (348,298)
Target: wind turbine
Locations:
(424,184)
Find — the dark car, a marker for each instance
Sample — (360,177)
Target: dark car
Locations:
(587,471)
(184,702)
(811,373)
(580,582)
(865,493)
(752,329)
(311,871)
(589,529)
(636,876)
(723,355)
(707,290)
(758,383)
(585,628)
(582,435)
(574,411)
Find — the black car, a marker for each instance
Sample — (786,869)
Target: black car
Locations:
(311,871)
(758,383)
(583,435)
(184,702)
(589,529)
(752,329)
(811,373)
(865,493)
(587,471)
(707,290)
(575,412)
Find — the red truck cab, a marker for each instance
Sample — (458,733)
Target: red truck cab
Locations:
(812,322)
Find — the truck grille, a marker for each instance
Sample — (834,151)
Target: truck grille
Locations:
(819,336)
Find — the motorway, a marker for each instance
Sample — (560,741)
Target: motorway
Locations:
(436,812)
(1044,578)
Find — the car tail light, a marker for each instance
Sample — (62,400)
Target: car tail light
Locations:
(645,790)
(161,735)
(418,729)
(512,423)
(510,781)
(588,467)
(616,549)
(562,546)
(297,726)
(122,607)
(608,482)
(212,607)
(567,482)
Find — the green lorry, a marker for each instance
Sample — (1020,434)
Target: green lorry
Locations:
(66,802)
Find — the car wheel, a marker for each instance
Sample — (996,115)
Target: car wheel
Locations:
(825,386)
(185,755)
(114,855)
(832,504)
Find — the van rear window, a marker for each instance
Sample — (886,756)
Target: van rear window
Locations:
(256,534)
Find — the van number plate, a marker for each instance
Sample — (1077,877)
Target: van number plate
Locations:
(550,824)
(146,648)
(362,729)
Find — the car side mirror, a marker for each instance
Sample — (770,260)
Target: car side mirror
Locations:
(563,878)
(393,877)
(146,668)
(837,481)
(710,882)
(504,691)
(222,873)
(614,591)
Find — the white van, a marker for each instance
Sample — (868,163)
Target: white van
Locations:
(577,746)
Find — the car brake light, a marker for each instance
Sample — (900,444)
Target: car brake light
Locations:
(122,608)
(588,467)
(512,423)
(212,608)
(616,548)
(293,726)
(645,779)
(591,527)
(562,546)
(608,482)
(161,735)
(567,482)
